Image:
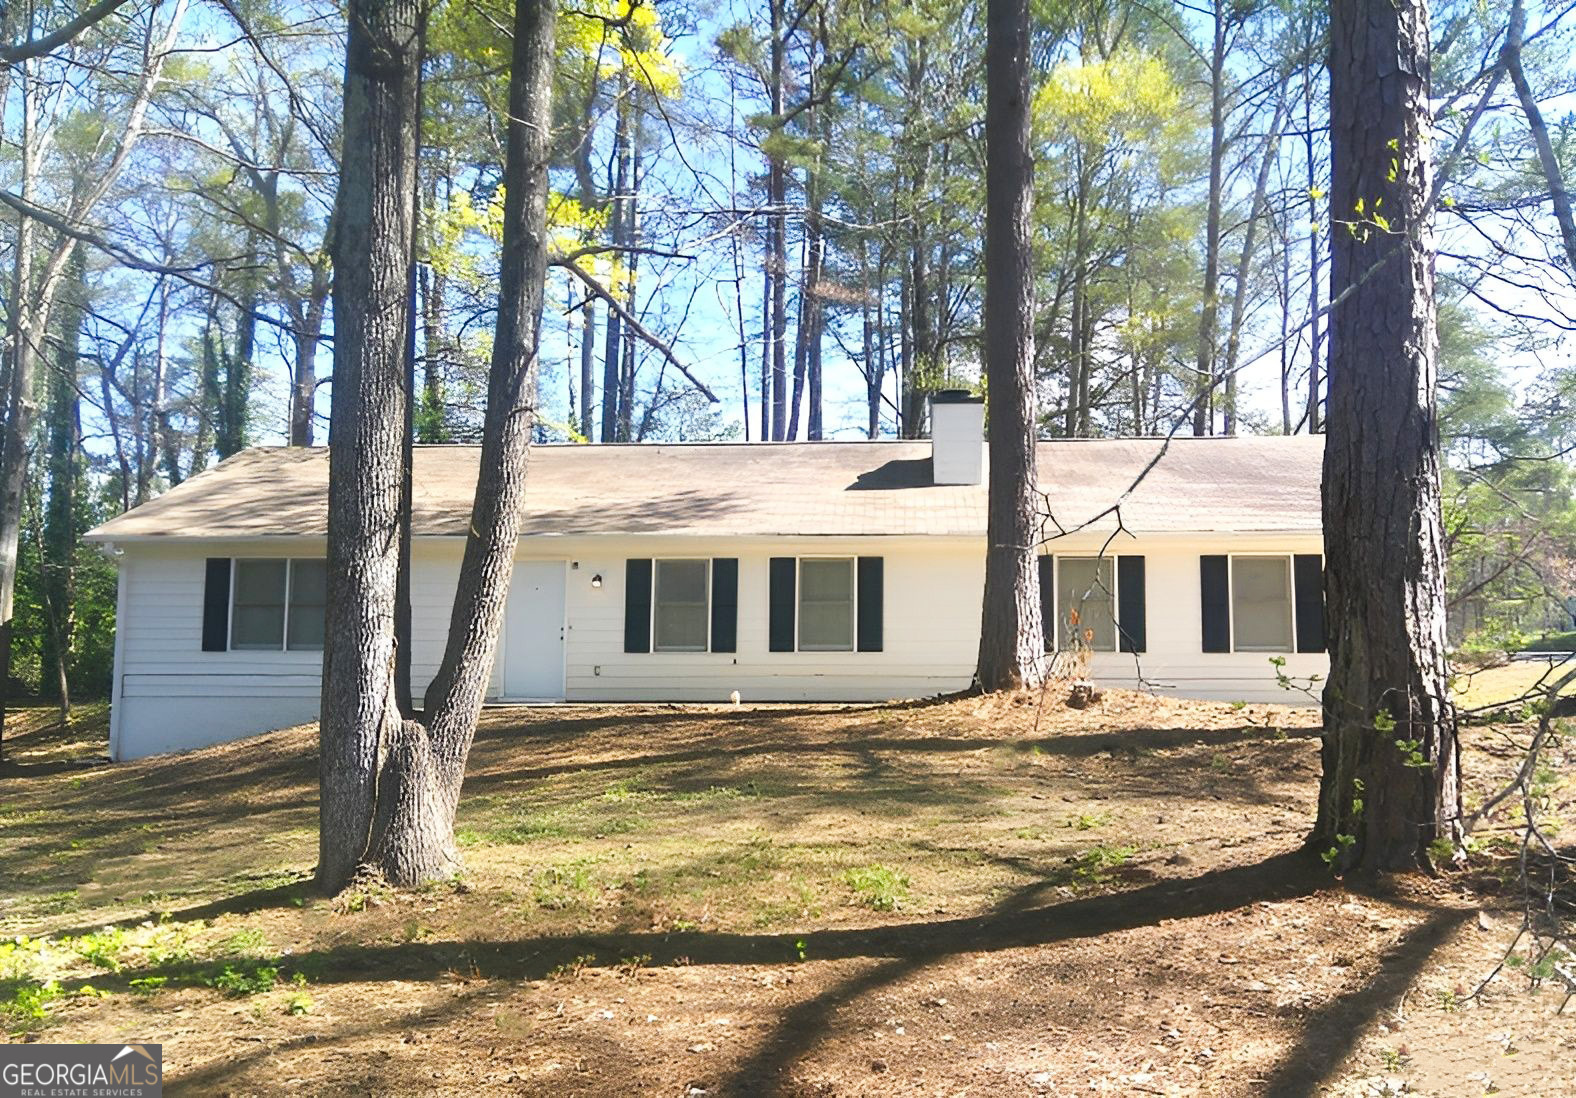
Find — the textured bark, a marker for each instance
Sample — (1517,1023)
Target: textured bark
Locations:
(613,351)
(1204,409)
(1011,642)
(64,448)
(1386,792)
(391,785)
(777,233)
(365,748)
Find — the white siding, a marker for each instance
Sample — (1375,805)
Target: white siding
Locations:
(170,695)
(931,627)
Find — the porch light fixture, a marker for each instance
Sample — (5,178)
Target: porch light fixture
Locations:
(596,580)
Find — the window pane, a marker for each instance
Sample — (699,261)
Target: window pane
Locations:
(1085,585)
(826,605)
(308,603)
(258,617)
(681,628)
(681,606)
(1261,604)
(826,579)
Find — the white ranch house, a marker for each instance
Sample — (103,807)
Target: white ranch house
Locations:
(824,571)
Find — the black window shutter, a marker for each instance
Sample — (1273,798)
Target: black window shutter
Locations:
(872,603)
(637,605)
(783,579)
(1215,590)
(216,605)
(1308,574)
(1048,600)
(1134,631)
(725,604)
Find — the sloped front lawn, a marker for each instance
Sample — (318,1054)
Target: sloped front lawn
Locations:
(969,896)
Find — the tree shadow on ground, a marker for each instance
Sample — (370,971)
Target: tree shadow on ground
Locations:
(292,894)
(1016,922)
(1330,1034)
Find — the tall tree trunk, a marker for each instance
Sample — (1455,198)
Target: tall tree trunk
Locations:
(777,229)
(613,349)
(307,335)
(363,736)
(1012,646)
(1391,780)
(588,367)
(1315,334)
(1548,159)
(236,386)
(20,405)
(1204,365)
(626,371)
(400,785)
(59,536)
(1257,211)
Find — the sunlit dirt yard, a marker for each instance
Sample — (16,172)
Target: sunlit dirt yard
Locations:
(971,896)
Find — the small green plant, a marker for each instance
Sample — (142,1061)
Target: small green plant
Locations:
(29,1002)
(1220,763)
(18,956)
(250,978)
(147,985)
(571,970)
(878,886)
(298,1003)
(244,943)
(1442,851)
(633,964)
(1342,843)
(556,887)
(102,948)
(1449,1001)
(799,948)
(1088,821)
(1091,865)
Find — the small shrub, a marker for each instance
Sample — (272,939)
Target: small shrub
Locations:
(28,1003)
(248,979)
(102,948)
(878,886)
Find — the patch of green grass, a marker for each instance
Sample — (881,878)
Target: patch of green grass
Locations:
(1088,821)
(25,1003)
(102,948)
(559,887)
(1090,866)
(716,793)
(19,956)
(244,978)
(58,903)
(878,886)
(244,943)
(1220,764)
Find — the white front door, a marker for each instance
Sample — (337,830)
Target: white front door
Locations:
(533,632)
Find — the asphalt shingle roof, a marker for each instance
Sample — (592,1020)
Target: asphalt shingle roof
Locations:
(1244,484)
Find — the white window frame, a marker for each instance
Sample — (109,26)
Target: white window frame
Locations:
(1116,597)
(853,604)
(284,636)
(1291,601)
(655,561)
